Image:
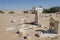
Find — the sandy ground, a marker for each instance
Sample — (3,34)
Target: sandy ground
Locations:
(5,22)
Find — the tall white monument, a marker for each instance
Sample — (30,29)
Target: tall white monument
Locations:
(37,11)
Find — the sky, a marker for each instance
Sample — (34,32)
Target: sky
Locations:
(27,4)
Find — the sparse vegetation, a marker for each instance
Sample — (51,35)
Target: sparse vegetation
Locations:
(52,9)
(25,12)
(11,12)
(1,12)
(46,11)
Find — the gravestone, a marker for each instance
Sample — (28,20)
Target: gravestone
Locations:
(56,26)
(51,23)
(36,17)
(37,11)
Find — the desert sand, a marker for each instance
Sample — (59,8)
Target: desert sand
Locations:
(5,22)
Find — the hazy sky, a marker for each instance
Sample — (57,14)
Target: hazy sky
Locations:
(27,4)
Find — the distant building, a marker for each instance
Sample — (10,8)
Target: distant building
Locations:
(38,9)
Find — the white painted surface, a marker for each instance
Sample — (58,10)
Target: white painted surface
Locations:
(39,10)
(22,19)
(50,35)
(10,28)
(21,30)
